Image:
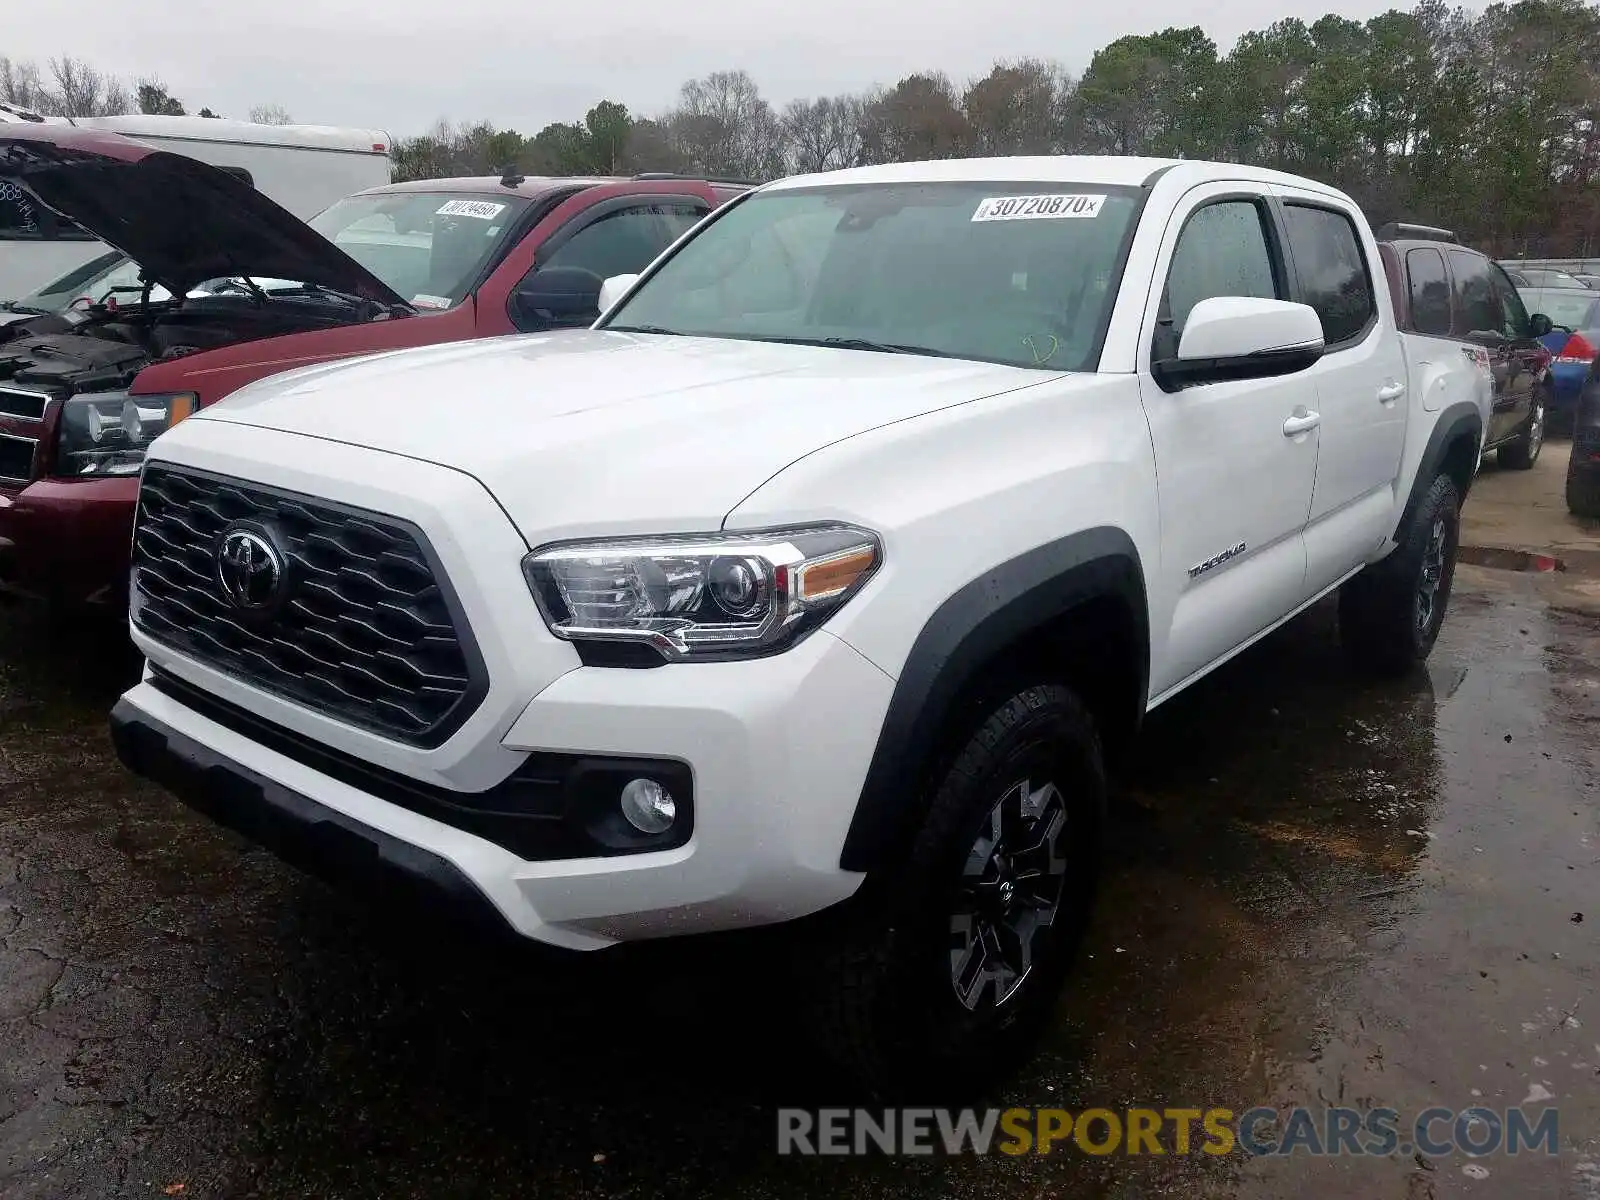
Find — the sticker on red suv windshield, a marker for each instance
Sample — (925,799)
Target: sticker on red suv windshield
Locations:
(1037,208)
(422,300)
(484,210)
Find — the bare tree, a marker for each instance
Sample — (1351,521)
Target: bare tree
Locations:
(80,90)
(917,118)
(723,126)
(824,134)
(1018,108)
(270,114)
(21,84)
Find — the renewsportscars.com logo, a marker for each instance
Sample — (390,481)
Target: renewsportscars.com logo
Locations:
(1372,1132)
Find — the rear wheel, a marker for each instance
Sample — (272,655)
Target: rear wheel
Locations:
(1391,613)
(944,978)
(1523,451)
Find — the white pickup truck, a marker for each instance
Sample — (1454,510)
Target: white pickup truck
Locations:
(821,577)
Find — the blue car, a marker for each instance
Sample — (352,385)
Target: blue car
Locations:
(1574,343)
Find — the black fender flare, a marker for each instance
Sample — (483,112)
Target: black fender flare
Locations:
(1453,421)
(966,633)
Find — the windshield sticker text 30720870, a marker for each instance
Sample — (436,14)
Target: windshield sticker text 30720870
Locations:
(1037,208)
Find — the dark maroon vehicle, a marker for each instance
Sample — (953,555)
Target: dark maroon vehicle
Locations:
(83,392)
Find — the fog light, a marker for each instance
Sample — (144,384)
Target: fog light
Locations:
(648,806)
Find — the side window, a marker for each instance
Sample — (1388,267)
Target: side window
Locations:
(1430,292)
(618,243)
(1478,303)
(1515,313)
(563,289)
(1222,251)
(677,220)
(1332,269)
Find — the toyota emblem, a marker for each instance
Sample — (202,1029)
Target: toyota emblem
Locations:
(250,569)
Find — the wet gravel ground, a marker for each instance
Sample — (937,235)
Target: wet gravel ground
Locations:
(1320,892)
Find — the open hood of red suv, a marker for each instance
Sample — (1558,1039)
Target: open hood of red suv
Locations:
(181,220)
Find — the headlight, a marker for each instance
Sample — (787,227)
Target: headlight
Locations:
(107,433)
(718,596)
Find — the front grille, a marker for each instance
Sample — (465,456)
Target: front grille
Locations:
(24,403)
(16,458)
(363,627)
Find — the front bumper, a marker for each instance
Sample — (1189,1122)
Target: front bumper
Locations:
(312,836)
(68,539)
(778,748)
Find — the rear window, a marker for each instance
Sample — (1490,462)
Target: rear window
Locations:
(1571,309)
(1430,292)
(1332,269)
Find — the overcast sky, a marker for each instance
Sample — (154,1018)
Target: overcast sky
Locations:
(401,64)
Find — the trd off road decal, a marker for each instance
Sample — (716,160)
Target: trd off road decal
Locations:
(1211,564)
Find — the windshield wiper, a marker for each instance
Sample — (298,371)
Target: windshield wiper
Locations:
(644,329)
(401,309)
(17,306)
(857,343)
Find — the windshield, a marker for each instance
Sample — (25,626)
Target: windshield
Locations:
(430,247)
(1571,310)
(81,281)
(115,276)
(1014,273)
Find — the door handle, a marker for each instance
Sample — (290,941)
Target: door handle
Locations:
(1300,422)
(1390,392)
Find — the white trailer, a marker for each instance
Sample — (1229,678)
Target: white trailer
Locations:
(304,168)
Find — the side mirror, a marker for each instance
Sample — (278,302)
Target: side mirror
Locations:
(614,288)
(1539,325)
(557,297)
(1242,337)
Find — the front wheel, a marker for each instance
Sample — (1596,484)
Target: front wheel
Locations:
(1523,452)
(1390,614)
(944,980)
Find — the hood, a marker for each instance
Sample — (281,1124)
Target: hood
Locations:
(182,220)
(584,433)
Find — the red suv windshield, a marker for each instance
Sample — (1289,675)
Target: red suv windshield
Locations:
(428,246)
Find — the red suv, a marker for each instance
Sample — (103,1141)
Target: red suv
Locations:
(83,392)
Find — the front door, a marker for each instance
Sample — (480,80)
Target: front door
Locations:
(1234,484)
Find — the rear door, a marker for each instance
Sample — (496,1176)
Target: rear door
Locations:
(1489,313)
(1360,384)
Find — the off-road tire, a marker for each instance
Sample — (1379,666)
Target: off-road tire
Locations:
(885,1007)
(1583,484)
(1522,452)
(1381,621)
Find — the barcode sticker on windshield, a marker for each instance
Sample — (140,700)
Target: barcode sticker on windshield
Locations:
(1037,208)
(484,210)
